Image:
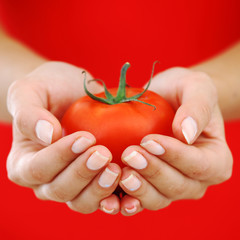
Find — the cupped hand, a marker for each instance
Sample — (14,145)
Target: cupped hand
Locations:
(69,169)
(165,169)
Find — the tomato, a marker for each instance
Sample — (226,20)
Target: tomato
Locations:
(120,125)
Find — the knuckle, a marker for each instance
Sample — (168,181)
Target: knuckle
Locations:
(12,88)
(154,173)
(201,76)
(13,169)
(12,94)
(199,194)
(82,175)
(39,195)
(226,175)
(56,193)
(62,159)
(226,172)
(200,171)
(12,176)
(178,190)
(20,121)
(36,174)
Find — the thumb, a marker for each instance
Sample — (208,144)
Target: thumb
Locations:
(31,119)
(198,101)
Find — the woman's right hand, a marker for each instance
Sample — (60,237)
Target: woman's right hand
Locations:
(69,169)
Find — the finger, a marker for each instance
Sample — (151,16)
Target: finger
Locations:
(73,179)
(42,166)
(110,205)
(28,105)
(197,162)
(136,186)
(165,178)
(130,206)
(100,188)
(197,101)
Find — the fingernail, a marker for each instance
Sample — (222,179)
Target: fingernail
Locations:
(132,183)
(136,160)
(131,210)
(189,129)
(81,144)
(153,147)
(107,178)
(96,161)
(44,131)
(108,210)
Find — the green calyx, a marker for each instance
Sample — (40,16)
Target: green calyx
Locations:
(121,93)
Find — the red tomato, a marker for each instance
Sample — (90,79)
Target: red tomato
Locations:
(120,125)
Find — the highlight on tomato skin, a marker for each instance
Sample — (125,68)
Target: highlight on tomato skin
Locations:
(123,123)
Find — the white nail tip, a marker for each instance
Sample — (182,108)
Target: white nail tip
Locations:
(44,131)
(96,161)
(131,155)
(153,147)
(111,172)
(107,210)
(131,210)
(81,144)
(101,156)
(186,136)
(189,129)
(107,178)
(132,183)
(136,160)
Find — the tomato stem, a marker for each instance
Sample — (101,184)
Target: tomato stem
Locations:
(121,93)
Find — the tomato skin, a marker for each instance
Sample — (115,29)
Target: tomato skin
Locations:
(120,125)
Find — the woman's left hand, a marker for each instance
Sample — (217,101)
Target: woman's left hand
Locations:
(164,169)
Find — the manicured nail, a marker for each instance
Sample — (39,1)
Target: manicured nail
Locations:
(136,160)
(132,183)
(189,129)
(108,210)
(153,147)
(44,131)
(81,144)
(107,178)
(96,161)
(131,210)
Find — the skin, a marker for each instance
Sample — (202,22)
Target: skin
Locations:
(34,95)
(224,70)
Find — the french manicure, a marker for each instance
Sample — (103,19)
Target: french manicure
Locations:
(44,131)
(189,129)
(136,160)
(96,161)
(132,183)
(107,178)
(153,147)
(81,144)
(131,210)
(108,210)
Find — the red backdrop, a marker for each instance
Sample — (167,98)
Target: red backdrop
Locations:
(101,36)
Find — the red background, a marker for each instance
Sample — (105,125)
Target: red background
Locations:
(100,36)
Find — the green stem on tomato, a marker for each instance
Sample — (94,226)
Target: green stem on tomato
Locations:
(121,93)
